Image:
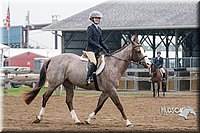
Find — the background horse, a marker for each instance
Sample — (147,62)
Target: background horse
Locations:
(67,69)
(157,78)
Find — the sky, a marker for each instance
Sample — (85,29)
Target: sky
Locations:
(41,12)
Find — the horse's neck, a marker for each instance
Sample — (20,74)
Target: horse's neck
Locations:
(158,73)
(124,54)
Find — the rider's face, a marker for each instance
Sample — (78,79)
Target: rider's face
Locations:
(96,20)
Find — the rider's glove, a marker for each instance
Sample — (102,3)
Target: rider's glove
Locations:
(100,48)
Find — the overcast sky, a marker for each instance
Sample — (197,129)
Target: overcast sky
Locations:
(41,12)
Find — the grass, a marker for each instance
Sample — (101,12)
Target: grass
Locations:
(21,90)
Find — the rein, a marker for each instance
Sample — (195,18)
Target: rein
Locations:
(137,63)
(128,60)
(120,58)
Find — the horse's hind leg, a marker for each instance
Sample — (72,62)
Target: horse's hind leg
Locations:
(103,97)
(164,87)
(158,88)
(46,96)
(69,87)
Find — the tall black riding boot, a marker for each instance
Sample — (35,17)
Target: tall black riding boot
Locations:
(164,77)
(91,68)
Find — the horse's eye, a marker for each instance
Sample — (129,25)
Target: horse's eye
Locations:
(138,52)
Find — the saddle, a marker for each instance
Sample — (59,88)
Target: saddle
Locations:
(162,71)
(100,65)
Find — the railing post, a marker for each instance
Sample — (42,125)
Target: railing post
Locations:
(6,83)
(136,81)
(136,86)
(191,62)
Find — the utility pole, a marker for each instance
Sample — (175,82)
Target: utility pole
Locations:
(27,30)
(54,20)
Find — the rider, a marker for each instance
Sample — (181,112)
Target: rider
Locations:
(158,61)
(95,43)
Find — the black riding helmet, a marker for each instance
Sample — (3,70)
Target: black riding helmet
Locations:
(158,52)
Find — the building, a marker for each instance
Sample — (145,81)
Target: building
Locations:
(16,39)
(172,24)
(24,60)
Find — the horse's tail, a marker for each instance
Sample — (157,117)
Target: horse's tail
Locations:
(30,95)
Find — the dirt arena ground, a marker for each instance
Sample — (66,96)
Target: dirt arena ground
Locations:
(142,110)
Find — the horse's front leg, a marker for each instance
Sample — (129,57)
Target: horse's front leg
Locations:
(103,97)
(115,99)
(153,85)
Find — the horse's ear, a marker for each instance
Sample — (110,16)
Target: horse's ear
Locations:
(134,38)
(135,41)
(136,44)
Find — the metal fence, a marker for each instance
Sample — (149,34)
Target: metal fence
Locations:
(183,75)
(181,62)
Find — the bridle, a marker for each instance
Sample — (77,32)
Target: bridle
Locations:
(119,58)
(154,70)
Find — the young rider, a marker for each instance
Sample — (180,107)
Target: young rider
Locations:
(95,43)
(159,63)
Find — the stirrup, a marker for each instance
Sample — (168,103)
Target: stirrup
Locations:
(164,80)
(89,81)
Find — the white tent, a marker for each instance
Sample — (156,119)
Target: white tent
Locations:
(2,48)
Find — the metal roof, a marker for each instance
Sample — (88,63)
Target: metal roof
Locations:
(118,15)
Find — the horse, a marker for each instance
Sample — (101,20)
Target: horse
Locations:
(157,78)
(184,112)
(67,69)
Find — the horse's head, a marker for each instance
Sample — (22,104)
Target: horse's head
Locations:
(152,68)
(138,53)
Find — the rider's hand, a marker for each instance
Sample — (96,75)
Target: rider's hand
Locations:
(100,48)
(108,52)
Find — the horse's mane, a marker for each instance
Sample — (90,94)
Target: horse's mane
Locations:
(155,67)
(120,49)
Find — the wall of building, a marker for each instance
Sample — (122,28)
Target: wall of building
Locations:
(24,60)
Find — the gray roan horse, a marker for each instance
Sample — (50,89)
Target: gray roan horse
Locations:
(157,78)
(67,69)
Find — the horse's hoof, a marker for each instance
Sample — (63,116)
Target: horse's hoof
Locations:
(129,125)
(86,122)
(37,120)
(79,123)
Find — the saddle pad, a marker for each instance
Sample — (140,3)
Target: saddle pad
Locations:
(100,67)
